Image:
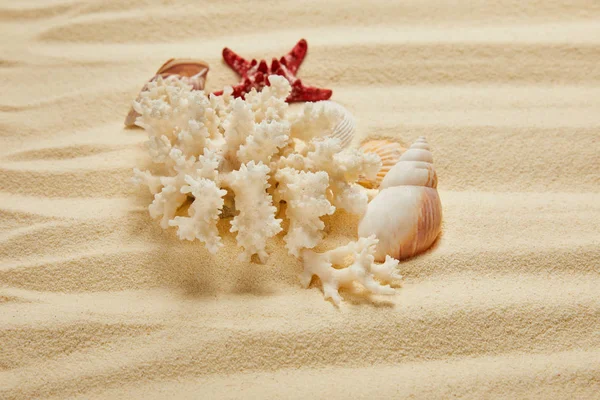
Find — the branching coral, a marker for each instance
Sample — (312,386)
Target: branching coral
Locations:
(266,141)
(171,197)
(237,126)
(315,121)
(203,213)
(344,169)
(362,269)
(304,193)
(249,155)
(208,202)
(256,220)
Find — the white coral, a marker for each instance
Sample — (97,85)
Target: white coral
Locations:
(362,269)
(146,178)
(305,195)
(256,220)
(269,104)
(316,120)
(201,177)
(344,168)
(169,198)
(203,213)
(167,106)
(194,138)
(199,139)
(238,125)
(265,141)
(240,155)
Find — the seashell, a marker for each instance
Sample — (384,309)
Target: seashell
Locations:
(388,151)
(193,72)
(345,129)
(414,167)
(406,216)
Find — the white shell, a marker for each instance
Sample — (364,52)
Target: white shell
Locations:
(388,151)
(346,127)
(406,216)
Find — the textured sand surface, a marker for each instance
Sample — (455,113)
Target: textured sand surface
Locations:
(96,301)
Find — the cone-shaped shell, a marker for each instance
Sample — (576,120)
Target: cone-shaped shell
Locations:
(345,129)
(406,216)
(414,167)
(388,151)
(193,72)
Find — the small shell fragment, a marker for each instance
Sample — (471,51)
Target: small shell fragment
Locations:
(389,152)
(192,72)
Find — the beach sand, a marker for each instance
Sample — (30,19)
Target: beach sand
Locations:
(97,302)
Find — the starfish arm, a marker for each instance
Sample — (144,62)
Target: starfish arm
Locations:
(263,67)
(275,65)
(294,58)
(307,93)
(240,90)
(236,62)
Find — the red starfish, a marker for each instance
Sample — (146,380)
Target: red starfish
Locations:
(256,74)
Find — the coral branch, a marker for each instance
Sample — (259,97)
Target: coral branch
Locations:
(362,269)
(344,169)
(269,104)
(266,141)
(316,120)
(203,213)
(238,125)
(305,195)
(146,178)
(256,220)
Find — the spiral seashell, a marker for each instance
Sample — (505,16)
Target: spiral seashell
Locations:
(193,72)
(406,216)
(346,127)
(414,167)
(389,152)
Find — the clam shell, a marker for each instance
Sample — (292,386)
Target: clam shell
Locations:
(193,72)
(346,127)
(389,152)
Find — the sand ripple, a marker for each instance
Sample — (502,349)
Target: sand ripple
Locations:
(96,301)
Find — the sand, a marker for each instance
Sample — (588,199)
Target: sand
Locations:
(97,302)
